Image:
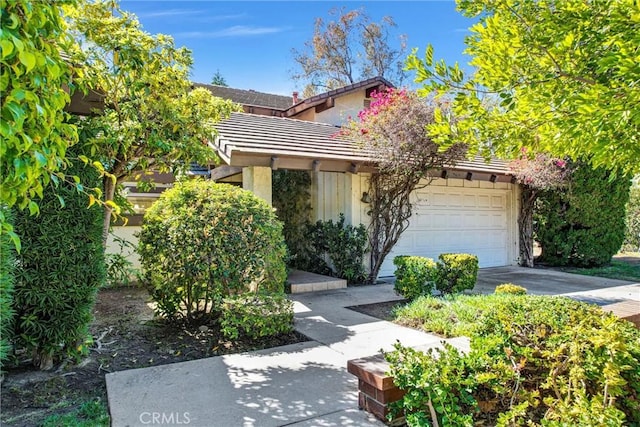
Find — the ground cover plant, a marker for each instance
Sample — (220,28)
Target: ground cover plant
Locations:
(534,360)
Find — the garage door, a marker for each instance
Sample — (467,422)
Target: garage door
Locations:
(456,219)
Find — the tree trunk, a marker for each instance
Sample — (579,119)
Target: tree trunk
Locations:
(109,193)
(525,223)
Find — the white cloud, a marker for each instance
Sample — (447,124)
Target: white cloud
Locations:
(169,13)
(218,18)
(235,31)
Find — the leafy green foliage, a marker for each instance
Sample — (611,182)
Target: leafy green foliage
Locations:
(152,119)
(120,270)
(345,245)
(583,224)
(33,77)
(7,278)
(348,49)
(414,276)
(59,270)
(34,134)
(632,236)
(543,79)
(456,272)
(511,289)
(437,385)
(90,414)
(533,361)
(201,242)
(256,316)
(331,248)
(291,200)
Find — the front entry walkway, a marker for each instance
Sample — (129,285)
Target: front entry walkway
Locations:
(303,384)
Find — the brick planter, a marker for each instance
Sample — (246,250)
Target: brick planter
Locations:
(375,388)
(627,310)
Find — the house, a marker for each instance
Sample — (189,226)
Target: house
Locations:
(472,207)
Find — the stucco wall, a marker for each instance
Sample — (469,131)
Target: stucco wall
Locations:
(125,233)
(347,105)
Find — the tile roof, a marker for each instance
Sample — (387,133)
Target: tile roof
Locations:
(249,97)
(270,136)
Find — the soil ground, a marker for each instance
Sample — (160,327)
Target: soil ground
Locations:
(379,310)
(125,337)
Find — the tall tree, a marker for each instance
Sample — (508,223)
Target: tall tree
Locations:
(348,48)
(152,120)
(392,130)
(34,83)
(562,77)
(218,79)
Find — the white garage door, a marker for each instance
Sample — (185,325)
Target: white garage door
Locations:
(456,219)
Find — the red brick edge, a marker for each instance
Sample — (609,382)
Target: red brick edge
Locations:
(627,310)
(376,389)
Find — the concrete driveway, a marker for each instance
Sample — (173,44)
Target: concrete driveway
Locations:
(538,281)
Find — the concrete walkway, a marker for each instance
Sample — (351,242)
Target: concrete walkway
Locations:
(303,384)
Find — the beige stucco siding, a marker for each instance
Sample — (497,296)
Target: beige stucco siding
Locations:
(126,233)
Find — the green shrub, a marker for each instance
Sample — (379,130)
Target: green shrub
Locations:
(456,272)
(534,360)
(291,200)
(414,276)
(510,288)
(7,274)
(256,316)
(437,381)
(58,272)
(345,246)
(583,225)
(632,236)
(120,270)
(201,242)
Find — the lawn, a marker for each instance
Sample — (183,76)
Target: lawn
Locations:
(620,270)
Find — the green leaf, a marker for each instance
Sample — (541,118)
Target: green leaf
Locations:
(33,208)
(428,56)
(7,48)
(41,160)
(28,59)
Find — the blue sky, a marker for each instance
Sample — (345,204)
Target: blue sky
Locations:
(250,42)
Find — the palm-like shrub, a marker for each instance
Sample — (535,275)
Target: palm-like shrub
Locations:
(58,272)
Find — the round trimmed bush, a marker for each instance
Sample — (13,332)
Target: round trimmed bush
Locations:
(510,289)
(202,242)
(414,276)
